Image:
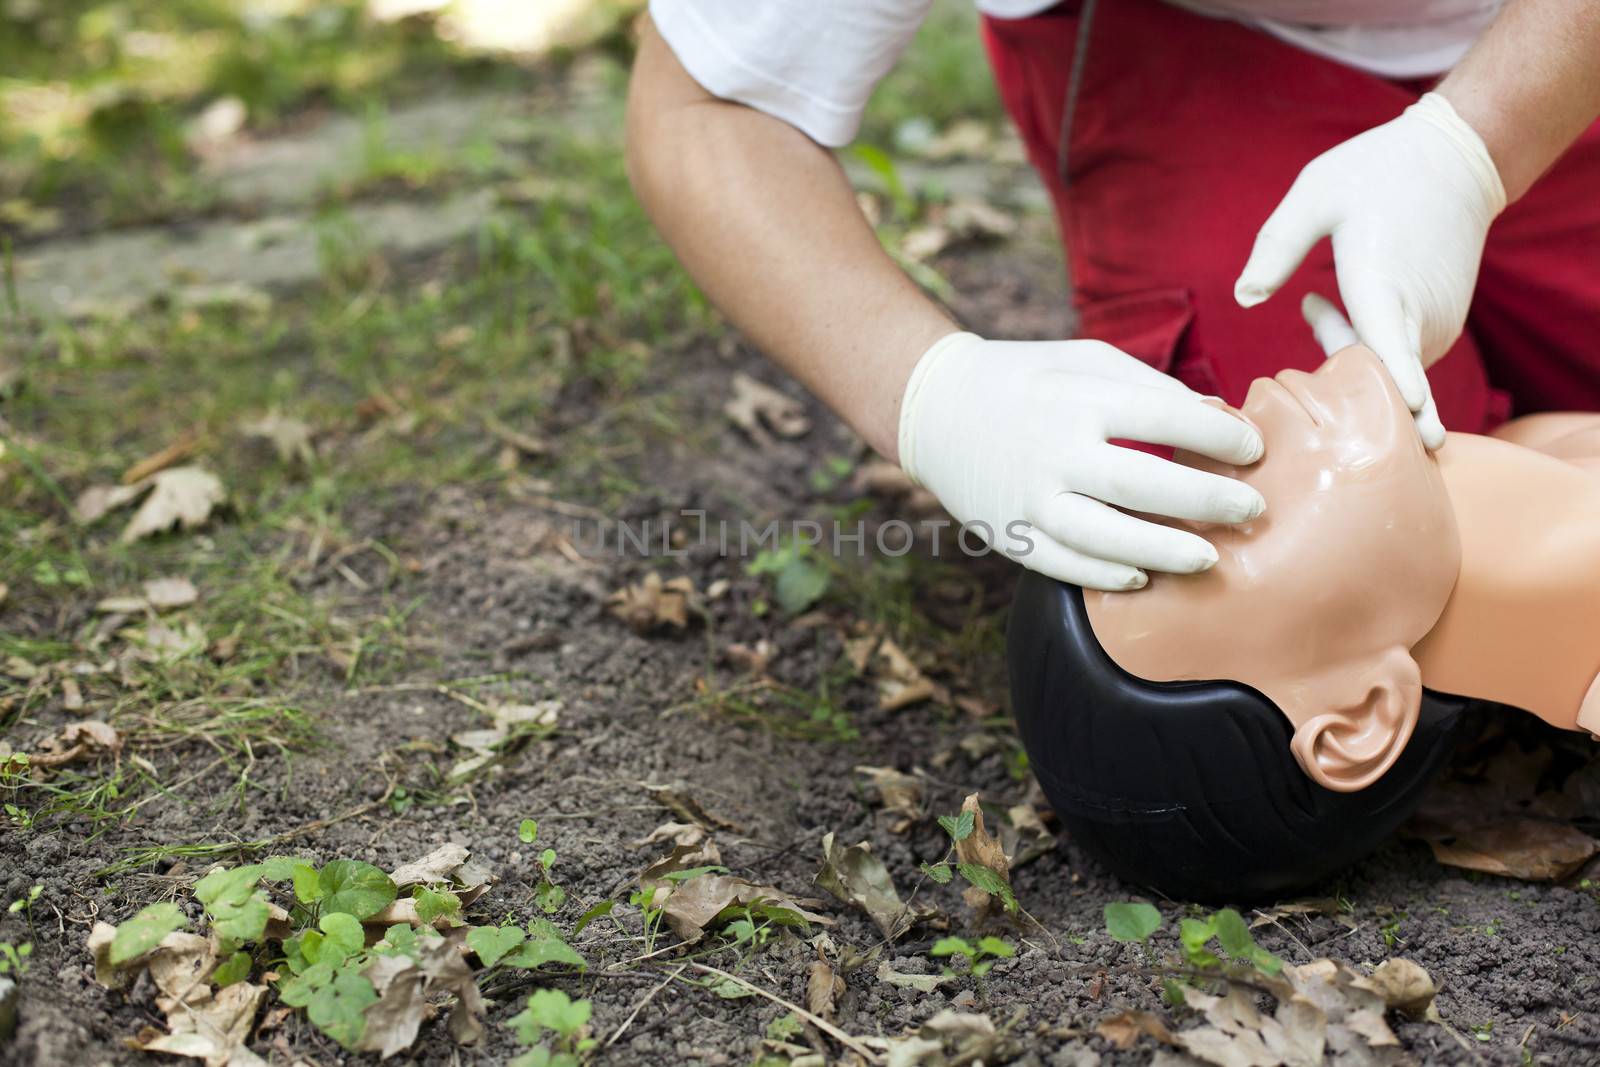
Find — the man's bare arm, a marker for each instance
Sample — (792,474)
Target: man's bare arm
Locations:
(766,222)
(1530,85)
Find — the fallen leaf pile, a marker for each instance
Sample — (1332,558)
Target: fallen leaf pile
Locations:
(177,496)
(1508,814)
(203,1022)
(1326,1012)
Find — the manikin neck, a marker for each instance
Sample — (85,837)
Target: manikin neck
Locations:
(1522,626)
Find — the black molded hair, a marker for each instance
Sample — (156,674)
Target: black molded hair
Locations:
(1189,788)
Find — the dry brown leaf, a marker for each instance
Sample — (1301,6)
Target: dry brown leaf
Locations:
(1329,906)
(164,594)
(1123,1029)
(900,682)
(755,407)
(652,604)
(968,138)
(183,496)
(692,905)
(507,723)
(1023,836)
(680,834)
(97,501)
(900,794)
(922,983)
(962,220)
(823,990)
(678,798)
(1517,847)
(981,848)
(1404,986)
(211,1026)
(437,866)
(858,877)
(752,659)
(179,496)
(89,739)
(963,1038)
(71,695)
(290,437)
(405,985)
(682,858)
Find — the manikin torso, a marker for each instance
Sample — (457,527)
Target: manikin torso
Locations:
(1522,625)
(1377,569)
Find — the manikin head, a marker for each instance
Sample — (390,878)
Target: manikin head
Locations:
(1317,603)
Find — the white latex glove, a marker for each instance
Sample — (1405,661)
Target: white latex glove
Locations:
(1407,205)
(1018,431)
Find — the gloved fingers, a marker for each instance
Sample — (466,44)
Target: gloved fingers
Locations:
(1108,361)
(1429,425)
(1139,481)
(1103,532)
(1182,420)
(1064,564)
(1328,324)
(1378,314)
(1282,242)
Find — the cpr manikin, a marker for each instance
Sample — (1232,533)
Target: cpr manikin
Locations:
(1243,732)
(1377,570)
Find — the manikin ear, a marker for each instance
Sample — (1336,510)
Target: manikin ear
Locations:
(1352,745)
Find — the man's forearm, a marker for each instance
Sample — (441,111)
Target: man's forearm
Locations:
(1530,85)
(766,222)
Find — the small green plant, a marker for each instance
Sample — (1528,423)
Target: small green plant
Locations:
(800,579)
(549,895)
(321,955)
(14,958)
(959,828)
(26,902)
(967,959)
(1134,922)
(566,1021)
(650,913)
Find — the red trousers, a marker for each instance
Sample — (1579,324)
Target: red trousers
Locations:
(1186,133)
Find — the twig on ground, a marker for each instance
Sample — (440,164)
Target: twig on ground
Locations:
(815,1020)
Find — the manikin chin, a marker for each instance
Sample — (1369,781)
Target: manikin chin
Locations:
(1378,569)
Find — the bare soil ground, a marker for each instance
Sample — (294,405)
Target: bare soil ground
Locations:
(494,594)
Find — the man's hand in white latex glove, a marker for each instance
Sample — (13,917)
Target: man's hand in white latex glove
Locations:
(1407,205)
(1018,432)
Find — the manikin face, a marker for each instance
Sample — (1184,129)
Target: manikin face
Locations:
(1317,602)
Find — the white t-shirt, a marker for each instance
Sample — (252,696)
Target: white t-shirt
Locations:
(813,63)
